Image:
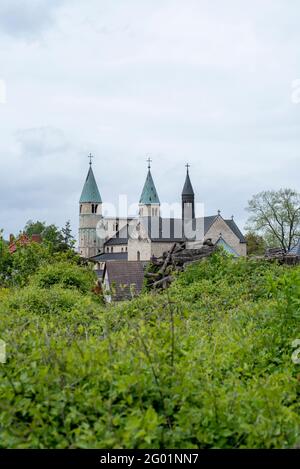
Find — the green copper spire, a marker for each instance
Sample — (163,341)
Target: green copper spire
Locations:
(149,195)
(90,192)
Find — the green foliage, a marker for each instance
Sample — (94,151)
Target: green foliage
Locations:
(5,261)
(26,260)
(256,245)
(205,365)
(57,240)
(66,275)
(276,216)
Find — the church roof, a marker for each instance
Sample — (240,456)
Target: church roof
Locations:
(187,188)
(149,195)
(170,229)
(90,192)
(233,226)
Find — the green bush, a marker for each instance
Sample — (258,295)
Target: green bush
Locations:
(65,275)
(205,365)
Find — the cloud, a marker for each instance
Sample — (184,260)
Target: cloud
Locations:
(41,142)
(209,82)
(27,18)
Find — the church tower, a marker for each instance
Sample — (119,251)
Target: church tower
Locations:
(90,213)
(149,205)
(188,198)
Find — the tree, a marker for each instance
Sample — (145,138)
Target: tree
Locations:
(32,228)
(5,260)
(276,216)
(57,240)
(68,238)
(256,244)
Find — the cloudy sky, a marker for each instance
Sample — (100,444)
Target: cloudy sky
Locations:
(204,81)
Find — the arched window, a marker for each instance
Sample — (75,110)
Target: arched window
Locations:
(80,210)
(122,250)
(138,256)
(112,250)
(107,249)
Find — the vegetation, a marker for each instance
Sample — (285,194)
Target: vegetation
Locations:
(276,216)
(256,245)
(207,364)
(56,239)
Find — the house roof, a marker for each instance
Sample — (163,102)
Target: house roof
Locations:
(90,192)
(125,278)
(149,195)
(187,188)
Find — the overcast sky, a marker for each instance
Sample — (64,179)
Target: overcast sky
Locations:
(207,82)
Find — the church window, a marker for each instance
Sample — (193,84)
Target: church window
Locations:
(107,249)
(94,208)
(112,250)
(138,256)
(122,250)
(80,208)
(125,249)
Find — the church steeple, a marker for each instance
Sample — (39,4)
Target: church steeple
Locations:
(149,202)
(90,213)
(188,197)
(90,192)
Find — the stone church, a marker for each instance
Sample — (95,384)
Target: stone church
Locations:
(103,239)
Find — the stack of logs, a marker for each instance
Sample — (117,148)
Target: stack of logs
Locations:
(160,276)
(278,254)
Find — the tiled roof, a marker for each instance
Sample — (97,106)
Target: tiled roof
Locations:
(121,237)
(233,226)
(170,229)
(90,192)
(149,195)
(125,277)
(110,256)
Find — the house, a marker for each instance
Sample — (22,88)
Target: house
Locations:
(23,240)
(122,280)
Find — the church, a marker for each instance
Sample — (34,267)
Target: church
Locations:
(103,239)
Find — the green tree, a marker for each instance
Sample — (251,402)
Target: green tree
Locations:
(5,260)
(68,238)
(275,215)
(256,244)
(57,240)
(26,260)
(32,228)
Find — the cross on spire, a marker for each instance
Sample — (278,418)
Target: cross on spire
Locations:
(187,167)
(149,162)
(90,156)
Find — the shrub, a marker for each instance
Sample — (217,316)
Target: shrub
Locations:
(205,365)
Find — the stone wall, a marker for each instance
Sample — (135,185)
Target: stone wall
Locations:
(142,246)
